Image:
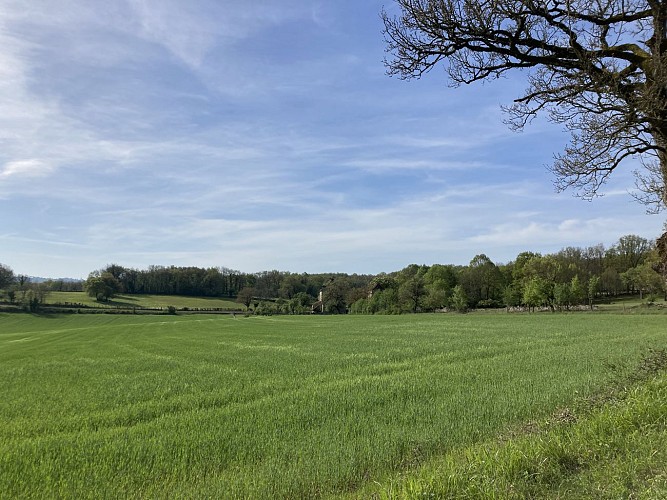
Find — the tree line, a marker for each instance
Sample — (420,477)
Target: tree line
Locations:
(573,277)
(20,290)
(570,278)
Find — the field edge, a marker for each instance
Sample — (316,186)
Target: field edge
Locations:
(610,445)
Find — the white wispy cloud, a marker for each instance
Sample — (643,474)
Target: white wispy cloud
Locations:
(181,28)
(382,164)
(258,135)
(25,168)
(548,231)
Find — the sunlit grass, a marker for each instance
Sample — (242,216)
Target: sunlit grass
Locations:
(633,304)
(198,406)
(616,448)
(141,300)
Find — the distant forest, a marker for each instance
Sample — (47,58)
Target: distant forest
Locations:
(572,277)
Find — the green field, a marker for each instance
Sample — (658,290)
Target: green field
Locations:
(613,446)
(632,304)
(211,406)
(140,300)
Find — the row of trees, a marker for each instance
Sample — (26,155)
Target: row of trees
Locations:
(569,278)
(211,282)
(599,69)
(172,280)
(20,290)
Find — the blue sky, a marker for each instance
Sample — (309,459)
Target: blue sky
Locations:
(263,135)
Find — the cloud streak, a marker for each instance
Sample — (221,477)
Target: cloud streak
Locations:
(256,136)
(26,168)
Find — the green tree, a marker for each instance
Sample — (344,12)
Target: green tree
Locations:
(644,279)
(334,297)
(437,296)
(411,293)
(562,295)
(519,268)
(513,295)
(577,293)
(593,286)
(359,307)
(212,283)
(594,259)
(482,281)
(245,296)
(611,282)
(300,303)
(7,277)
(545,271)
(443,276)
(102,285)
(268,283)
(30,301)
(291,285)
(384,302)
(596,67)
(459,299)
(534,293)
(382,282)
(631,251)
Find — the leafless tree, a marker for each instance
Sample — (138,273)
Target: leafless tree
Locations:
(596,66)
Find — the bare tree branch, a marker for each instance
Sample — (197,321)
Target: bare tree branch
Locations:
(597,66)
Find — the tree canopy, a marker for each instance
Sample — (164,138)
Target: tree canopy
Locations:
(573,277)
(7,277)
(596,66)
(102,285)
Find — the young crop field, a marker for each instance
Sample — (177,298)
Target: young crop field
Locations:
(291,406)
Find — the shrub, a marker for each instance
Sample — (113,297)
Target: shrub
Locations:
(459,299)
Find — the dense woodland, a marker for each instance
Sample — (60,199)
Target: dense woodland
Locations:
(572,277)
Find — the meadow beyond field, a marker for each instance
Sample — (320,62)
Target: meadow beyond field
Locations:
(128,301)
(216,406)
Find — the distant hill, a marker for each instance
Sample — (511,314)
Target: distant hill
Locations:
(39,279)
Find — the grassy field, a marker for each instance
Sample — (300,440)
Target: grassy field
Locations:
(612,447)
(149,301)
(209,406)
(632,304)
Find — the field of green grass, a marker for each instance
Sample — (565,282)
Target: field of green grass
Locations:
(632,304)
(613,445)
(265,407)
(140,300)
